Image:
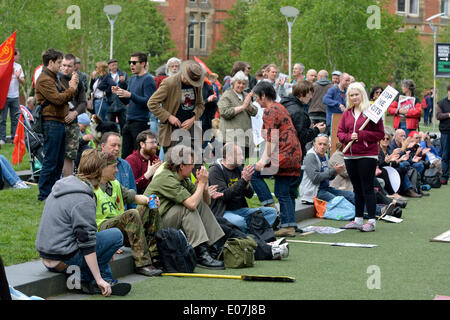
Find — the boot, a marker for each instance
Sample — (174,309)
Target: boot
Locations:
(149,271)
(412,194)
(204,259)
(400,203)
(397,212)
(423,193)
(272,205)
(285,232)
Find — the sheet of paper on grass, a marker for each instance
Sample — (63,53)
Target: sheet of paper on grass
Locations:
(322,230)
(391,219)
(443,237)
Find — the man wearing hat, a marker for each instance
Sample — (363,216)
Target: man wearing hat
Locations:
(81,75)
(336,76)
(139,90)
(117,109)
(85,137)
(181,99)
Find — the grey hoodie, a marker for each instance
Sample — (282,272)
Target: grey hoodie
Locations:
(68,221)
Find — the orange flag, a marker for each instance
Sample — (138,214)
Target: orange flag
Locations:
(19,142)
(6,67)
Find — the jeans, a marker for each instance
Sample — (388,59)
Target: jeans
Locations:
(54,152)
(287,207)
(107,243)
(419,166)
(240,216)
(13,105)
(153,123)
(130,132)
(402,125)
(8,172)
(261,189)
(329,193)
(445,147)
(101,112)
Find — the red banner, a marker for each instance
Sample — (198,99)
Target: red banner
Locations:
(207,70)
(6,67)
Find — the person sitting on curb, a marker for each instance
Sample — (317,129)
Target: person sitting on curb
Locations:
(185,205)
(67,233)
(10,176)
(234,183)
(136,229)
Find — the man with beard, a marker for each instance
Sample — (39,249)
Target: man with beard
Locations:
(77,106)
(144,162)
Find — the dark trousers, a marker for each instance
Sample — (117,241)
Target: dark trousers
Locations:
(4,286)
(121,116)
(54,152)
(361,173)
(130,132)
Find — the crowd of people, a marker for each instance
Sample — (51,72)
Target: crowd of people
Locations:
(180,137)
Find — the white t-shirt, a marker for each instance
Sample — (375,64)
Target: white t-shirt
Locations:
(13,91)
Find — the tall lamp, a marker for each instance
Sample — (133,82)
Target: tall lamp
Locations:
(112,12)
(434,67)
(290,13)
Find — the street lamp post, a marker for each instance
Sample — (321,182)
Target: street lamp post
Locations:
(434,67)
(112,12)
(192,23)
(290,13)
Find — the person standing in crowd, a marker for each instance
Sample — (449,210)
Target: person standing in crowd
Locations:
(210,99)
(67,233)
(279,134)
(101,84)
(54,100)
(140,88)
(81,75)
(334,99)
(77,106)
(144,161)
(406,118)
(236,110)
(277,83)
(297,73)
(317,109)
(361,158)
(375,93)
(12,100)
(251,79)
(311,75)
(443,115)
(117,109)
(427,105)
(178,102)
(336,77)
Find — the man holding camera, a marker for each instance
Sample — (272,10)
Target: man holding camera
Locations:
(76,106)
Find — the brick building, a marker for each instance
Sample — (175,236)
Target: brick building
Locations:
(202,36)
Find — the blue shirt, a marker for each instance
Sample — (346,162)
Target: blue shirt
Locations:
(126,178)
(332,99)
(323,166)
(141,89)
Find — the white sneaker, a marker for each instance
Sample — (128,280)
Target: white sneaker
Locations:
(2,142)
(280,251)
(20,185)
(278,242)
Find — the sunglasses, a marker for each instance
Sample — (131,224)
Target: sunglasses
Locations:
(133,62)
(386,139)
(378,92)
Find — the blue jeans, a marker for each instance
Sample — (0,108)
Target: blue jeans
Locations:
(13,105)
(153,123)
(419,166)
(239,217)
(287,207)
(107,243)
(445,147)
(8,172)
(101,112)
(261,188)
(402,125)
(329,193)
(54,152)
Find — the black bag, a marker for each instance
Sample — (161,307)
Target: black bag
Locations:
(175,253)
(258,226)
(432,177)
(37,125)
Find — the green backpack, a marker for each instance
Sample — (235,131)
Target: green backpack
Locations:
(239,252)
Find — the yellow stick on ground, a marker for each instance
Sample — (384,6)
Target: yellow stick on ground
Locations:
(241,277)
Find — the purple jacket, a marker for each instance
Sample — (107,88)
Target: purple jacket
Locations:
(367,143)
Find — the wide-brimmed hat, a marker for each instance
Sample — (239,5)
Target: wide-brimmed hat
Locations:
(193,72)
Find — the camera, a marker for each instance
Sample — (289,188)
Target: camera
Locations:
(432,135)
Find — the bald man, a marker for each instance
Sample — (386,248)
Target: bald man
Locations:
(317,109)
(311,75)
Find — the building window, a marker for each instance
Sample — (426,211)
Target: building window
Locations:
(444,7)
(204,1)
(203,32)
(408,6)
(191,33)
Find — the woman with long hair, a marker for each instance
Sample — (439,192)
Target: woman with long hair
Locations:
(361,158)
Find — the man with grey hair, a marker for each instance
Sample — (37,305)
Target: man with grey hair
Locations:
(297,73)
(317,109)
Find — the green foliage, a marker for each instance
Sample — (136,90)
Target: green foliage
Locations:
(44,24)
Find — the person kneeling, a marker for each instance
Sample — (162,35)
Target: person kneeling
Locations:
(111,197)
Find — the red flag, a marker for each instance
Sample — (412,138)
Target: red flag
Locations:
(207,70)
(6,67)
(19,142)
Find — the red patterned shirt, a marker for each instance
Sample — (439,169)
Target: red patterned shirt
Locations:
(277,125)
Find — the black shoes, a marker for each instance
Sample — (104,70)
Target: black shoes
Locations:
(149,271)
(397,212)
(400,203)
(117,288)
(204,259)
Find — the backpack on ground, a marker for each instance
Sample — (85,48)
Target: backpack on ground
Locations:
(175,253)
(432,177)
(258,226)
(239,253)
(339,208)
